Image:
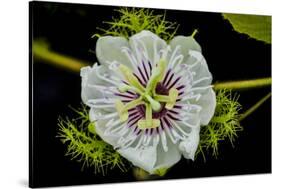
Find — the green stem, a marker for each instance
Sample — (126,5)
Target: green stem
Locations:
(244,84)
(41,52)
(254,107)
(194,33)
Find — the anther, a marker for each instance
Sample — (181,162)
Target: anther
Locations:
(173,95)
(148,122)
(130,78)
(122,109)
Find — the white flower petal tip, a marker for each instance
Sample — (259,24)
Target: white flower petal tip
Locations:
(186,43)
(109,49)
(148,99)
(208,103)
(144,158)
(189,146)
(84,71)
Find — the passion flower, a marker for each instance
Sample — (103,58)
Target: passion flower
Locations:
(148,98)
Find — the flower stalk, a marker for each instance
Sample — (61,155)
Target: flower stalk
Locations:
(244,84)
(254,107)
(41,52)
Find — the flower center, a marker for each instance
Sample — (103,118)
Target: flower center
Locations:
(148,96)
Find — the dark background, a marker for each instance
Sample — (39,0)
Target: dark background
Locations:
(68,29)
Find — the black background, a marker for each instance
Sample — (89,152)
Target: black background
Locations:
(68,29)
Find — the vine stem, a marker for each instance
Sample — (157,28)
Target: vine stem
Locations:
(243,84)
(254,107)
(42,52)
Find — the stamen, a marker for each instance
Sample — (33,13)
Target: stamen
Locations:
(133,103)
(173,94)
(170,100)
(148,122)
(125,88)
(162,98)
(130,77)
(123,109)
(123,114)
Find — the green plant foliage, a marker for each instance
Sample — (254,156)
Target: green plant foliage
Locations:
(223,126)
(84,145)
(133,20)
(258,27)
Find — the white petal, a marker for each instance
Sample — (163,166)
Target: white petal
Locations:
(153,157)
(189,146)
(109,49)
(186,44)
(169,158)
(188,123)
(102,125)
(191,51)
(199,67)
(147,44)
(208,103)
(144,158)
(89,78)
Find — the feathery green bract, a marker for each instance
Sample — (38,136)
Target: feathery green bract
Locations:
(223,126)
(134,20)
(84,145)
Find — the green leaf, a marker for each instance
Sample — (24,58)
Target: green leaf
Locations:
(257,27)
